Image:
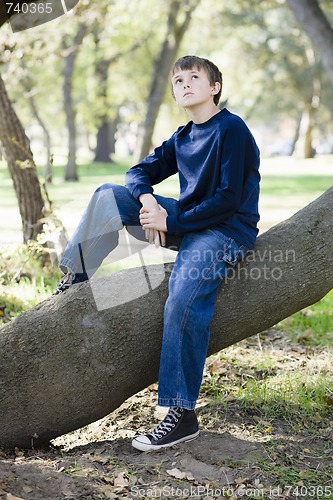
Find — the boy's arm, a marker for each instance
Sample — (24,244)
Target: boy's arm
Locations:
(239,170)
(152,170)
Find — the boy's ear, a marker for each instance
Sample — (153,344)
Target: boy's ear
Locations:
(217,87)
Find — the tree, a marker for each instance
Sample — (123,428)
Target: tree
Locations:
(70,49)
(107,126)
(17,153)
(314,22)
(65,364)
(179,17)
(29,94)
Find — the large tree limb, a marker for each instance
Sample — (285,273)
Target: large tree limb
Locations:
(65,364)
(314,22)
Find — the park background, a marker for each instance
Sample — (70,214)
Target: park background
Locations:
(89,89)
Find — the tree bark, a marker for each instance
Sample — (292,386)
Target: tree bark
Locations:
(16,150)
(314,22)
(69,362)
(105,140)
(28,87)
(71,49)
(162,66)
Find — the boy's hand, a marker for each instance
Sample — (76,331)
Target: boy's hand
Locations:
(155,237)
(149,208)
(148,202)
(154,218)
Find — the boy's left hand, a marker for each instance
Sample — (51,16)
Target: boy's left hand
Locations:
(154,219)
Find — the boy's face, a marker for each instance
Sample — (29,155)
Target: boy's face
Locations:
(192,88)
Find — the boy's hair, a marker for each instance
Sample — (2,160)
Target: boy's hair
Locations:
(212,71)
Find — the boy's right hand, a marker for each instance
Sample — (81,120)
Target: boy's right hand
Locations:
(152,235)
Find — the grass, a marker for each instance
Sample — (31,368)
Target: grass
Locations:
(278,382)
(313,326)
(274,390)
(27,276)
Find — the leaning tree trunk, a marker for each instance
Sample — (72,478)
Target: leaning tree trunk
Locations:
(17,153)
(314,22)
(72,360)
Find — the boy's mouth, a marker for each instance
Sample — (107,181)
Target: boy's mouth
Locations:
(187,93)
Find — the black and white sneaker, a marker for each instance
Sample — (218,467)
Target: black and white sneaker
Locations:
(66,282)
(179,425)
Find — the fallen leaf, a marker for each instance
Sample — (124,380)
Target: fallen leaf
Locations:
(9,496)
(121,480)
(189,476)
(107,479)
(262,422)
(27,489)
(176,473)
(98,459)
(242,480)
(258,484)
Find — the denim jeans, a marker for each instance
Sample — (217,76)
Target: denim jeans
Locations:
(203,260)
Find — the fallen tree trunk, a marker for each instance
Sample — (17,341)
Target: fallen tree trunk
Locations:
(65,363)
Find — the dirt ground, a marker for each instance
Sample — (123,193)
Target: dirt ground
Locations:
(237,455)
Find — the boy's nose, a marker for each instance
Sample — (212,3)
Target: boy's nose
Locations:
(187,85)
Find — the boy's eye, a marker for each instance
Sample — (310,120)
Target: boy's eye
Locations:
(178,80)
(194,76)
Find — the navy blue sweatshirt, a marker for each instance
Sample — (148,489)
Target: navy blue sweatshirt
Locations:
(217,162)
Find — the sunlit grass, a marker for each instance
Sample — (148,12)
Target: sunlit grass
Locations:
(313,325)
(278,381)
(27,276)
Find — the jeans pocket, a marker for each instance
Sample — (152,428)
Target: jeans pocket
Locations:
(233,252)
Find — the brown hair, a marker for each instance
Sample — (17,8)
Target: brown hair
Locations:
(191,62)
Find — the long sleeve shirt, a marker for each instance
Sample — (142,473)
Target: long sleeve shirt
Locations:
(218,166)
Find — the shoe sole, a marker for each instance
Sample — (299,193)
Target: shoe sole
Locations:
(150,447)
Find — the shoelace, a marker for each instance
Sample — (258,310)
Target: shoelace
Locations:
(64,283)
(167,424)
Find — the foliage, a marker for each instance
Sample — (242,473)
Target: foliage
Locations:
(260,48)
(27,276)
(312,326)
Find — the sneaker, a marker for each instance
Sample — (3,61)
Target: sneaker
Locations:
(179,425)
(65,283)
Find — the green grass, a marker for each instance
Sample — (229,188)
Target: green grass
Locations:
(274,383)
(313,326)
(274,390)
(27,276)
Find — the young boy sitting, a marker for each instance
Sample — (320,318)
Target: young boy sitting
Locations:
(214,221)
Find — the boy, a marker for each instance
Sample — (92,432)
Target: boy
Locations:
(214,220)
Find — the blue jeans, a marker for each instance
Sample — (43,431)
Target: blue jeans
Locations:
(203,260)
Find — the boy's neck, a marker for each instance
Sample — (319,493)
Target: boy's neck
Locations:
(202,114)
